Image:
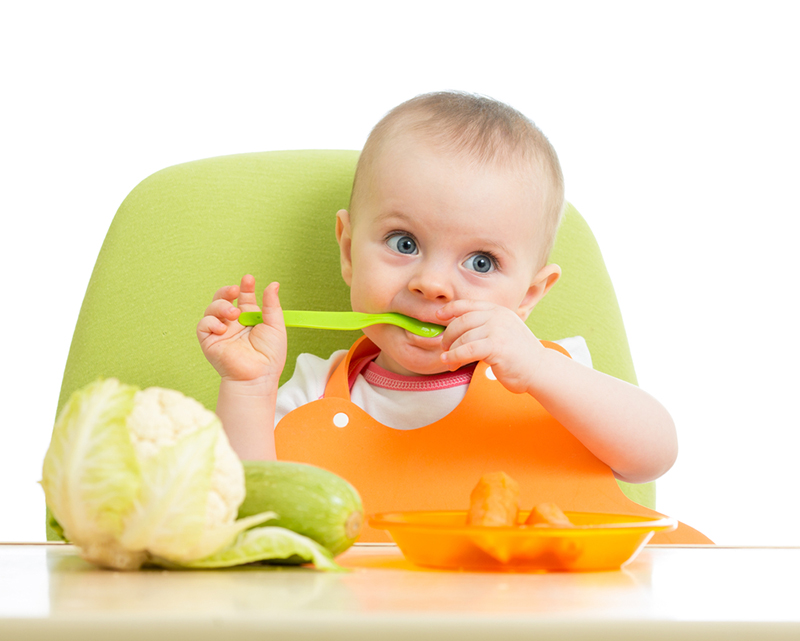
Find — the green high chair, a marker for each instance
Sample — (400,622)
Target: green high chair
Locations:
(189,229)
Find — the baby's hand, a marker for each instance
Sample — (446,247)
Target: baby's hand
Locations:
(483,331)
(240,353)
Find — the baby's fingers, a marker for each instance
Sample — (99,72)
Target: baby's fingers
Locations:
(457,308)
(210,325)
(222,309)
(247,294)
(271,311)
(229,293)
(462,328)
(467,352)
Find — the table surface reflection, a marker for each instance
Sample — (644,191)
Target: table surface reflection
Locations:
(667,591)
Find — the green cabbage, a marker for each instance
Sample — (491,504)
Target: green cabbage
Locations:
(125,504)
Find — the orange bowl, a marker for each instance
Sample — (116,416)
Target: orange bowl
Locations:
(596,542)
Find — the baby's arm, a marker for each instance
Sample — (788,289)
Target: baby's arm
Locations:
(618,422)
(250,361)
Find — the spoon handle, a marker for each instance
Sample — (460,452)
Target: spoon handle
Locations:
(330,320)
(319,320)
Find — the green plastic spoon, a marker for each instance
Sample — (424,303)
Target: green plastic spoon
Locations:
(346,320)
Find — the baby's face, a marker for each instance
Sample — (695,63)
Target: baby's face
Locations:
(431,227)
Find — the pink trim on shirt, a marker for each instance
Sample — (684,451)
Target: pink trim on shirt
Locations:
(378,377)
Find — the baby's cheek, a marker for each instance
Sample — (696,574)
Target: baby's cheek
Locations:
(379,335)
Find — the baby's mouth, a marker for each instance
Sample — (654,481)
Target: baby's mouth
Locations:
(423,341)
(426,318)
(426,328)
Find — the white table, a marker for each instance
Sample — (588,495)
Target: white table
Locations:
(668,592)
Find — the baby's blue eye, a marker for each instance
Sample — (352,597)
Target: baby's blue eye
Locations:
(402,244)
(480,263)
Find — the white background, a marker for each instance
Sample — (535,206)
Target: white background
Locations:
(676,124)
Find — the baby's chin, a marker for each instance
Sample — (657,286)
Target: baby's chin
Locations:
(410,367)
(405,354)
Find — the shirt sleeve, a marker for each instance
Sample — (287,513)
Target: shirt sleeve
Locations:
(311,374)
(577,348)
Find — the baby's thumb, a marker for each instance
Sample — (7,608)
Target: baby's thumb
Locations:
(271,306)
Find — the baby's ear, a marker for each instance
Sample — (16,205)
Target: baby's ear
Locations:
(540,285)
(345,240)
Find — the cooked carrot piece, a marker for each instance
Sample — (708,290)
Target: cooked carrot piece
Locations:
(548,514)
(494,501)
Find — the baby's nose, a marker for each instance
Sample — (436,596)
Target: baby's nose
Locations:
(433,284)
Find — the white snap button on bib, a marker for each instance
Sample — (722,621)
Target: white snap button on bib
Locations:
(490,374)
(341,419)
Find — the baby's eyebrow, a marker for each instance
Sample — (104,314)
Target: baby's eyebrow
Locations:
(393,214)
(494,246)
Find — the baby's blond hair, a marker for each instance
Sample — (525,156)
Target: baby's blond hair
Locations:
(486,131)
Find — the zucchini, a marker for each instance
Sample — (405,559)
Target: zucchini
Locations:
(307,499)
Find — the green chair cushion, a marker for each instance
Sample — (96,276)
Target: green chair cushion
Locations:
(189,229)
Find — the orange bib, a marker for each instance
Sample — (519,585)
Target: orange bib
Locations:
(435,467)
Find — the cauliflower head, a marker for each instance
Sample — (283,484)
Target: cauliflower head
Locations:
(160,418)
(136,476)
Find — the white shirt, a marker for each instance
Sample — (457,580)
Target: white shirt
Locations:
(396,401)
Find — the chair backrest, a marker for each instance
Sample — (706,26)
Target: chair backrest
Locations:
(189,229)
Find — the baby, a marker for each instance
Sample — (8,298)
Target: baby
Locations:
(454,210)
